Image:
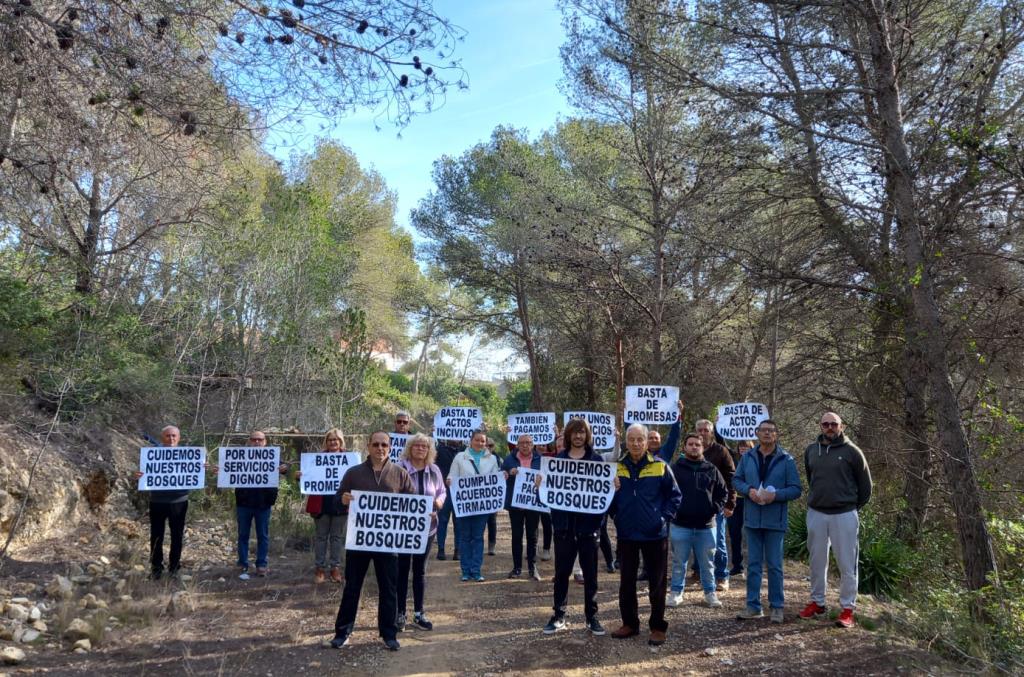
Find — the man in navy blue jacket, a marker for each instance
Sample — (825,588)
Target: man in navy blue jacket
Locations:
(646,500)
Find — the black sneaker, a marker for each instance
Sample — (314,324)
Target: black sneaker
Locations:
(392,644)
(534,574)
(554,625)
(455,556)
(401,622)
(339,641)
(421,622)
(610,568)
(642,576)
(441,556)
(595,628)
(490,550)
(515,573)
(155,574)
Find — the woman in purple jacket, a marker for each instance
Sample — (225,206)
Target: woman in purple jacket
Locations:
(418,460)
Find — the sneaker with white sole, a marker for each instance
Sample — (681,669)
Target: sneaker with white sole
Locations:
(554,625)
(595,628)
(722,585)
(749,613)
(711,599)
(777,616)
(674,598)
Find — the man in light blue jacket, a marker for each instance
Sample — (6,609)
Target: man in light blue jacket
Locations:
(767,476)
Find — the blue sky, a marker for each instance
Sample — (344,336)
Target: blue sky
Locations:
(511,56)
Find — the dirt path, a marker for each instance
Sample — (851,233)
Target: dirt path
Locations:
(276,626)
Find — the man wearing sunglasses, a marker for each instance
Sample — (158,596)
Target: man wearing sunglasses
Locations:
(840,485)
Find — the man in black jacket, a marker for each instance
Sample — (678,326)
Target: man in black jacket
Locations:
(255,505)
(447,450)
(704,496)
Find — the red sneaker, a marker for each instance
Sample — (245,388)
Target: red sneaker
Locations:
(845,619)
(811,610)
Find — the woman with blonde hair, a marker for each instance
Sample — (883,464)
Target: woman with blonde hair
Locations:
(418,460)
(331,519)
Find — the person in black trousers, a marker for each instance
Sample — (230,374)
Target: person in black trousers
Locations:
(735,521)
(576,535)
(522,520)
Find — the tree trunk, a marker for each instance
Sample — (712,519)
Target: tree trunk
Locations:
(522,309)
(85,269)
(925,326)
(917,467)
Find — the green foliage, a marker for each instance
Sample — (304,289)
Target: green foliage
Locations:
(794,545)
(518,397)
(23,318)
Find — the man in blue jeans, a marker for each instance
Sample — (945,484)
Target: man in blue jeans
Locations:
(767,476)
(718,455)
(704,494)
(255,505)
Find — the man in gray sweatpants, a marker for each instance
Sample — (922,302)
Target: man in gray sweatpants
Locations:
(840,485)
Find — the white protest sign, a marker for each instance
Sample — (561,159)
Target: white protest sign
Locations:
(478,494)
(398,441)
(525,495)
(170,468)
(381,522)
(541,427)
(651,405)
(602,425)
(576,485)
(737,421)
(322,471)
(456,423)
(248,467)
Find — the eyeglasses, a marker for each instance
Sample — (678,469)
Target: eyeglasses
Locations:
(830,424)
(380,444)
(401,422)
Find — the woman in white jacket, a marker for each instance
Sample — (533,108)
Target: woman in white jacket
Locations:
(475,460)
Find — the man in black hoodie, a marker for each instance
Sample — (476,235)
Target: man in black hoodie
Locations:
(839,486)
(704,496)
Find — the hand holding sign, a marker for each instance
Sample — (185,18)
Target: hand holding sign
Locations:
(322,472)
(576,485)
(171,468)
(248,467)
(478,494)
(457,423)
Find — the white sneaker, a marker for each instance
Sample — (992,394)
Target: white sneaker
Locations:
(777,616)
(545,554)
(674,599)
(711,599)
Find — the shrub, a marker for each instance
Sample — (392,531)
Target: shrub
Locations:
(795,543)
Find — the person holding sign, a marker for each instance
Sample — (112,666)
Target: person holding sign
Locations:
(704,494)
(402,422)
(576,534)
(167,508)
(522,519)
(646,500)
(377,473)
(718,456)
(735,522)
(418,460)
(476,460)
(767,476)
(254,504)
(330,516)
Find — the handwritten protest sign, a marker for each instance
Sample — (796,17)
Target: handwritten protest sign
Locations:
(602,425)
(739,420)
(576,485)
(651,405)
(170,468)
(525,494)
(381,522)
(398,441)
(322,471)
(456,423)
(541,427)
(248,467)
(478,494)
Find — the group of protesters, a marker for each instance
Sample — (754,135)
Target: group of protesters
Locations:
(699,506)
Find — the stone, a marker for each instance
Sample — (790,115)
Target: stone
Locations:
(40,625)
(30,635)
(94,569)
(34,614)
(17,612)
(80,650)
(125,598)
(710,651)
(105,560)
(81,579)
(83,644)
(6,633)
(12,655)
(77,629)
(180,603)
(119,586)
(24,601)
